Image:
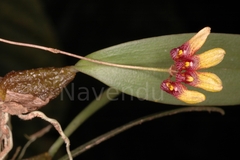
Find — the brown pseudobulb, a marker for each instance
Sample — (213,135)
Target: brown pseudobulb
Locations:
(29,90)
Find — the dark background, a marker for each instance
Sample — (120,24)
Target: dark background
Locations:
(82,27)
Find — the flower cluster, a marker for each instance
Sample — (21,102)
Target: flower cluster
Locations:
(186,69)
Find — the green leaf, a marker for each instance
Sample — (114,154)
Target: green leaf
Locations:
(154,52)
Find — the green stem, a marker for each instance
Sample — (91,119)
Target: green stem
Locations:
(139,121)
(53,50)
(94,106)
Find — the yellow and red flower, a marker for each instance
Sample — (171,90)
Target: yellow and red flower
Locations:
(179,91)
(207,59)
(190,47)
(205,80)
(186,68)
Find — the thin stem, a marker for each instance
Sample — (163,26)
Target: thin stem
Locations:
(56,51)
(139,121)
(94,106)
(32,138)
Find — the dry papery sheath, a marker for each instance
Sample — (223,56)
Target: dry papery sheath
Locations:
(29,90)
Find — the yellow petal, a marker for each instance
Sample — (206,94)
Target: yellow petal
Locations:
(191,97)
(209,82)
(210,58)
(198,40)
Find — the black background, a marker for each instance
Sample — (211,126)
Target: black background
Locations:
(86,26)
